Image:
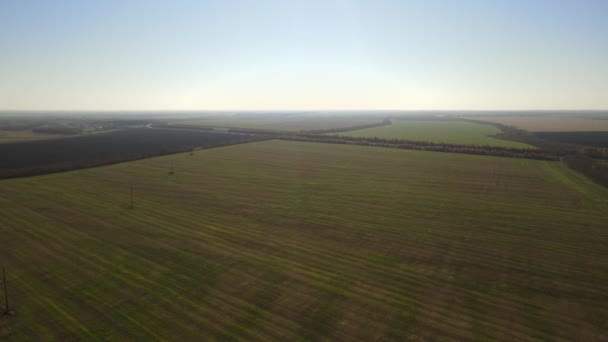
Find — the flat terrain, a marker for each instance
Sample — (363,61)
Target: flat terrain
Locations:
(24,135)
(451,132)
(297,123)
(549,123)
(302,241)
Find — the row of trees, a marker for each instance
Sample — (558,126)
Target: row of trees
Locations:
(251,131)
(584,159)
(384,122)
(591,168)
(594,152)
(197,128)
(426,146)
(65,125)
(58,130)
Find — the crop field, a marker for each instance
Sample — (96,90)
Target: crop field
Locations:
(549,123)
(24,135)
(35,157)
(292,241)
(451,132)
(297,123)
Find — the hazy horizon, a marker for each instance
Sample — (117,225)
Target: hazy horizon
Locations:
(310,56)
(295,114)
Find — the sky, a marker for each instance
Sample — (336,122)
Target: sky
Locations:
(303,55)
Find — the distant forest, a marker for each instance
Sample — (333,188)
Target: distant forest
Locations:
(596,139)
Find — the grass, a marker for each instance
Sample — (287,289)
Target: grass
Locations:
(296,241)
(451,132)
(296,123)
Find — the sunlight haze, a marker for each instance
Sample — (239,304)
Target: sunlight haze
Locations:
(250,55)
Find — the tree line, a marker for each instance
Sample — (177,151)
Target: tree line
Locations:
(384,122)
(584,159)
(425,146)
(591,168)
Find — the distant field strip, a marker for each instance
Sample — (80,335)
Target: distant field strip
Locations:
(283,124)
(15,136)
(549,123)
(291,241)
(451,132)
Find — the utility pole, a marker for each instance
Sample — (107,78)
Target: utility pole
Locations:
(6,311)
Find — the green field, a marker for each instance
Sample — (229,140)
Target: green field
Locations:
(296,123)
(451,132)
(291,241)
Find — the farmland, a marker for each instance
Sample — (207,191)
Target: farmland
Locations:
(36,157)
(285,123)
(545,123)
(439,131)
(303,241)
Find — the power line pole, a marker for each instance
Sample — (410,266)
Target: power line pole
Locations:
(131,196)
(6,311)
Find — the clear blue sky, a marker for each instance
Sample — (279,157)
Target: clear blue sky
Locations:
(124,54)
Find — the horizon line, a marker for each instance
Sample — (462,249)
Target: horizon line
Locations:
(303,110)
